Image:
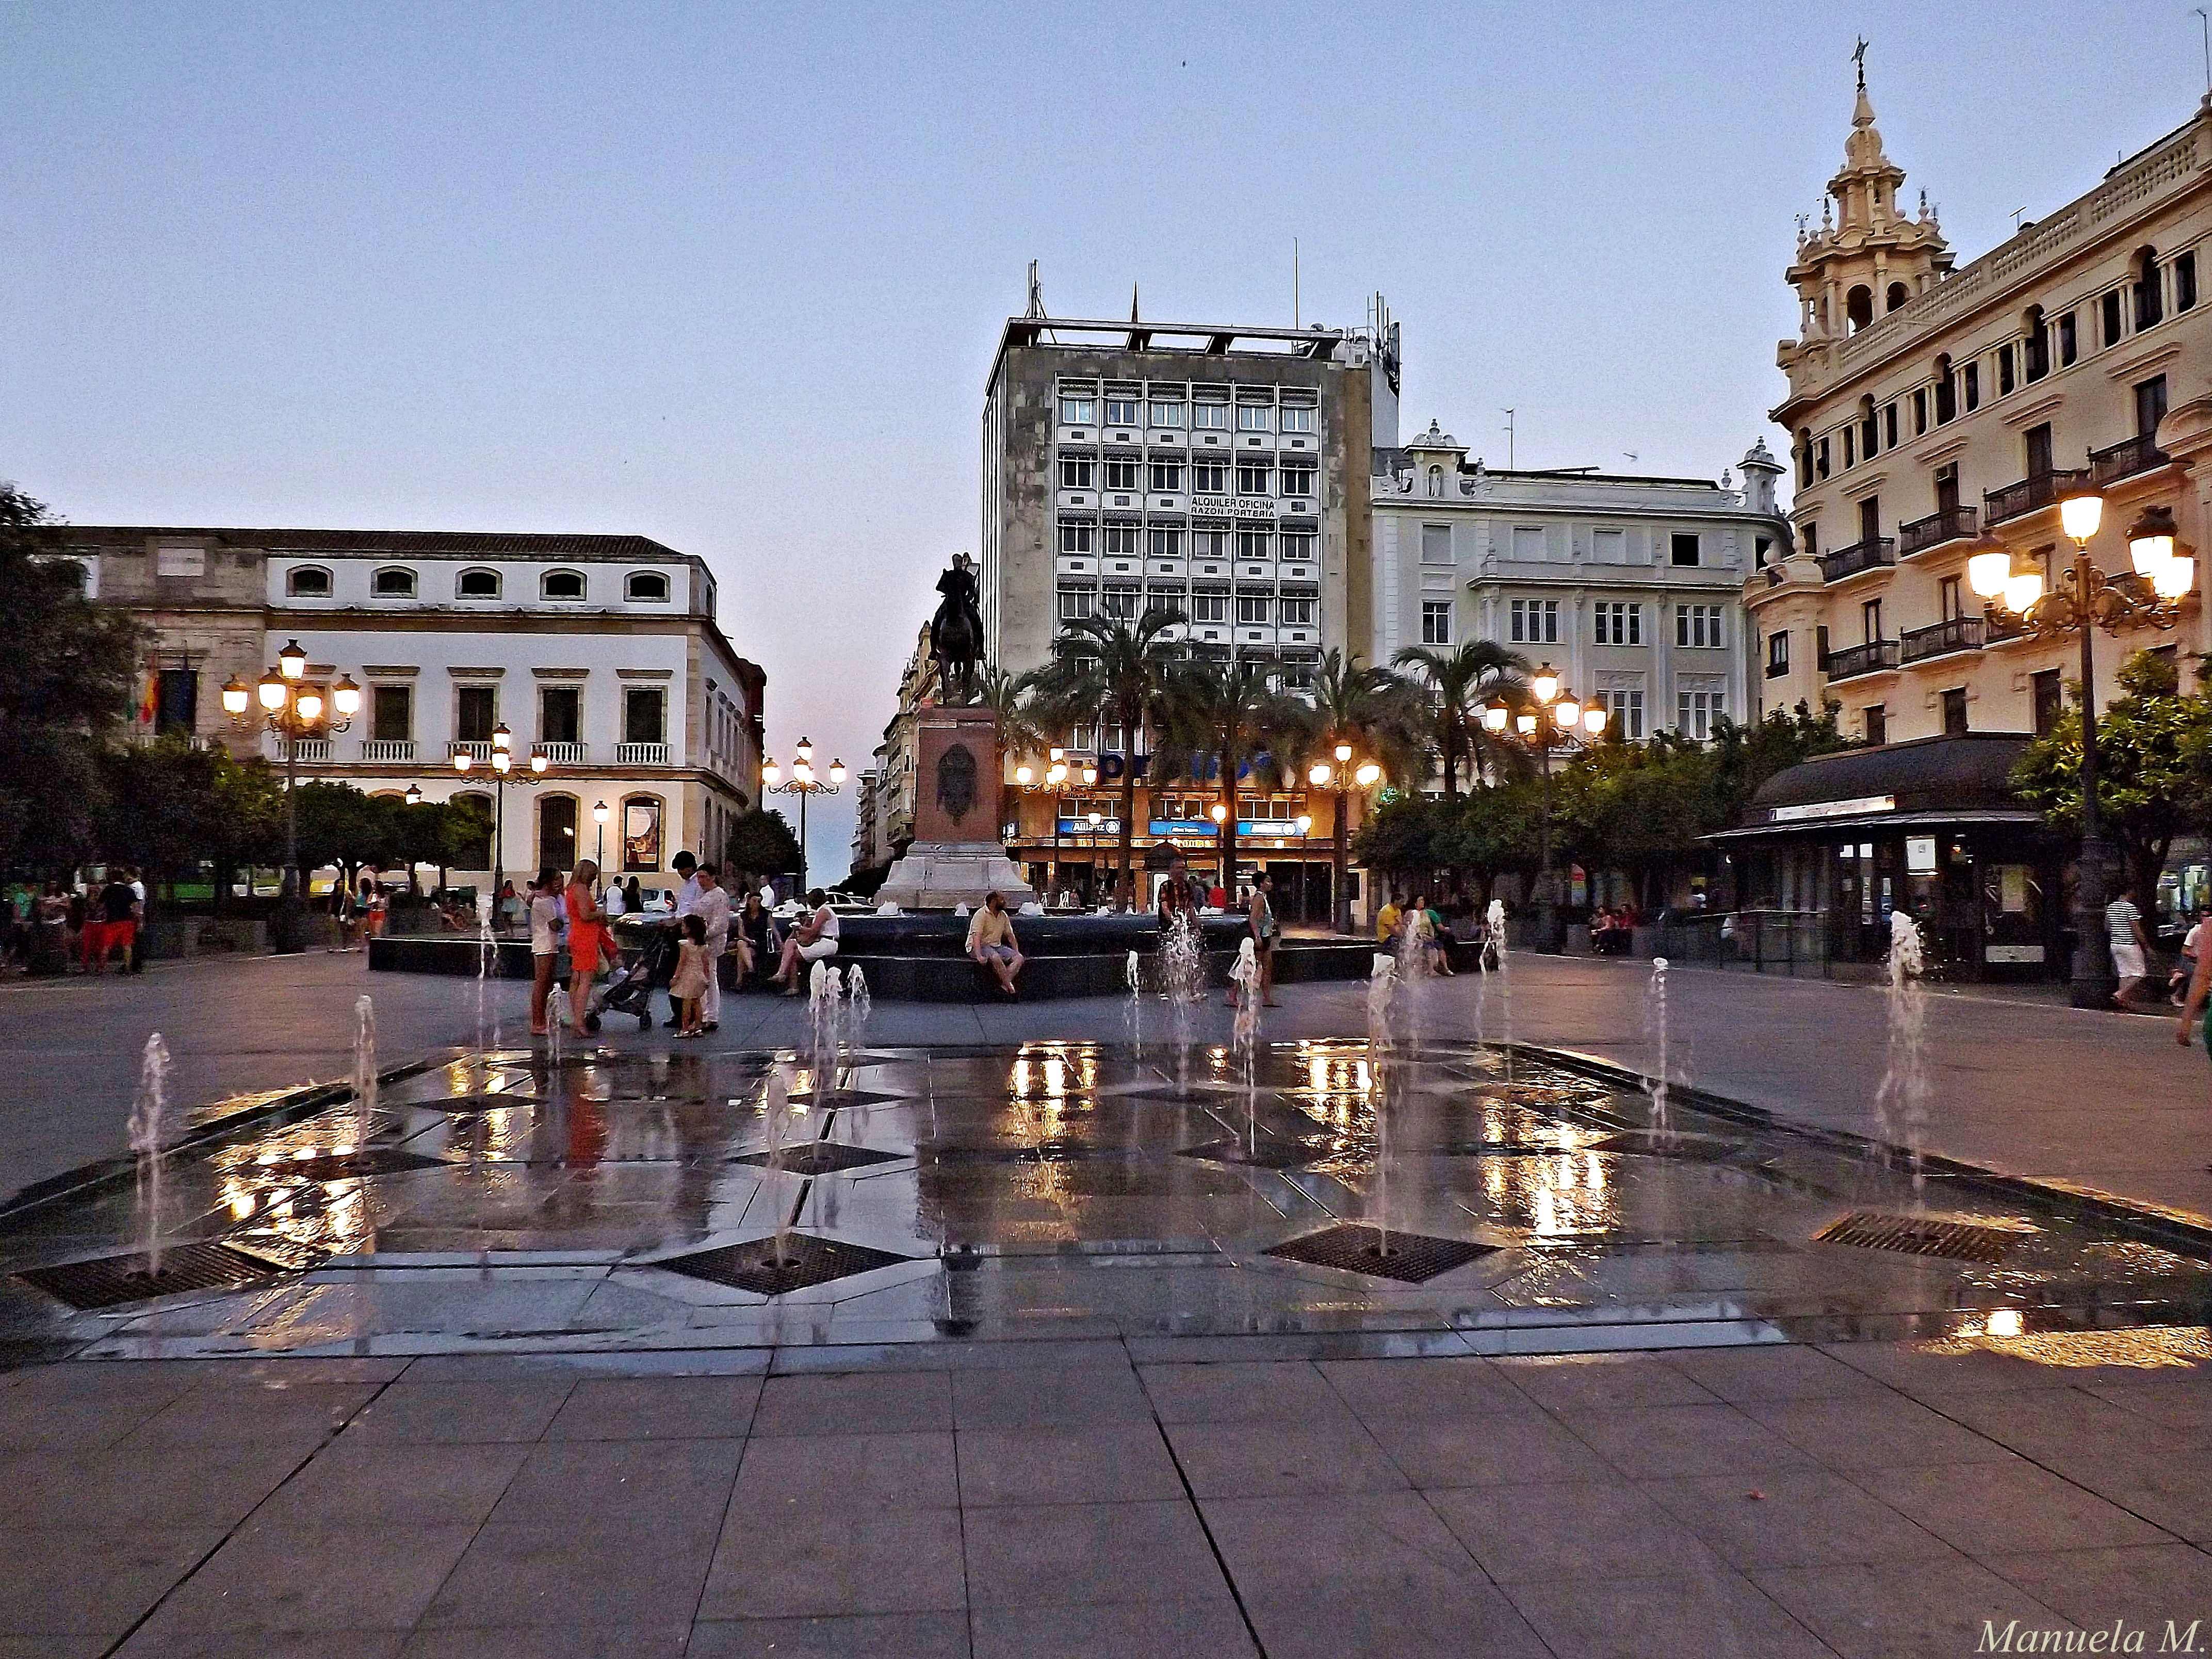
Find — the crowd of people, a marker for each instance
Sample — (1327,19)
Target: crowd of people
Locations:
(83,929)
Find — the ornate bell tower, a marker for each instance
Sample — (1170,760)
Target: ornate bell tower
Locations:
(1867,258)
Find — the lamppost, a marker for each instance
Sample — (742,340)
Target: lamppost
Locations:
(1367,774)
(1055,774)
(1569,725)
(802,783)
(293,710)
(599,818)
(502,774)
(1095,819)
(2148,596)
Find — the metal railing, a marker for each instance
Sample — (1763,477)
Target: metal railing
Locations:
(1959,633)
(387,749)
(1949,524)
(2032,493)
(1872,554)
(641,754)
(1868,658)
(1793,943)
(2124,459)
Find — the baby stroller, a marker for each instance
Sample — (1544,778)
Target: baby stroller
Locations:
(630,990)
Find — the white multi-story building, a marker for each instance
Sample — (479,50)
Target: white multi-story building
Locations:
(601,653)
(1630,586)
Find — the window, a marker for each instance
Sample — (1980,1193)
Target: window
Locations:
(562,585)
(2150,301)
(1435,482)
(1889,426)
(393,582)
(1121,412)
(1698,627)
(1536,622)
(2110,308)
(2185,281)
(1624,712)
(1954,712)
(1528,542)
(1858,306)
(1078,411)
(1947,488)
(1253,544)
(556,832)
(1074,604)
(647,586)
(1075,472)
(560,714)
(1821,458)
(1296,419)
(1255,417)
(177,700)
(1297,545)
(1971,380)
(1947,392)
(2035,350)
(477,585)
(1870,622)
(1762,550)
(1121,602)
(475,711)
(1777,655)
(1877,723)
(1209,477)
(1850,458)
(1950,599)
(1121,541)
(307,581)
(1696,711)
(390,714)
(1866,428)
(1898,295)
(2004,369)
(1618,623)
(2067,340)
(645,714)
(2037,442)
(1252,608)
(1121,475)
(1254,479)
(2048,696)
(1209,544)
(1436,622)
(1682,547)
(1075,538)
(1609,547)
(1298,480)
(1210,416)
(1300,613)
(1811,537)
(1919,411)
(1436,544)
(1869,517)
(1167,415)
(1167,478)
(1804,459)
(1209,607)
(2150,407)
(1167,543)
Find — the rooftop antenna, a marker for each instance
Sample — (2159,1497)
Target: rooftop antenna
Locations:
(2204,28)
(1858,56)
(1036,293)
(1295,314)
(1632,456)
(2016,214)
(1509,466)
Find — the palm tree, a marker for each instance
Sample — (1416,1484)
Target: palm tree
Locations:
(1119,672)
(1458,682)
(1013,699)
(1366,707)
(1232,712)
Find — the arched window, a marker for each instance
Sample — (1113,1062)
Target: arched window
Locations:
(1436,481)
(394,581)
(648,585)
(562,585)
(307,581)
(1899,294)
(1947,392)
(1804,458)
(1858,306)
(556,832)
(641,823)
(477,584)
(2150,301)
(1867,432)
(2036,343)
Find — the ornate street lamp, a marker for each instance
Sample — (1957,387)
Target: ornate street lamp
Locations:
(503,774)
(1558,721)
(295,711)
(1343,774)
(2148,596)
(802,783)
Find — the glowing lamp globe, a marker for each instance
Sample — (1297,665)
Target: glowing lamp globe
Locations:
(345,695)
(291,661)
(2150,541)
(461,760)
(1319,773)
(1567,711)
(1343,753)
(2021,591)
(2174,578)
(2080,514)
(1594,719)
(1525,724)
(537,763)
(236,693)
(309,703)
(1022,775)
(1496,716)
(836,771)
(1546,685)
(271,692)
(1219,813)
(1366,776)
(1987,570)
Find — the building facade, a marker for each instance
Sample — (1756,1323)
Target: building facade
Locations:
(1632,588)
(1929,403)
(600,653)
(1221,472)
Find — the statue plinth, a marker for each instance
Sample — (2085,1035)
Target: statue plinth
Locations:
(956,857)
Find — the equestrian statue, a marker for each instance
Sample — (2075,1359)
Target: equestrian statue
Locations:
(956,634)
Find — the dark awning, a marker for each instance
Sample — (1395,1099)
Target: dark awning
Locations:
(1963,780)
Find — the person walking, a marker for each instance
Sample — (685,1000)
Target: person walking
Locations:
(117,925)
(687,987)
(2123,922)
(545,916)
(991,941)
(812,940)
(1260,923)
(587,941)
(712,909)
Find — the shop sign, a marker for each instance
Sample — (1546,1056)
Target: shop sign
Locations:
(1813,811)
(1920,855)
(2001,953)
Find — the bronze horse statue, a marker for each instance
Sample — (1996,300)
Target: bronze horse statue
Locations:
(955,633)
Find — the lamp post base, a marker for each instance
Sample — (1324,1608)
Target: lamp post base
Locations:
(288,928)
(2093,981)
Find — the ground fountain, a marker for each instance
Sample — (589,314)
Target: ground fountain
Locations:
(1133,1018)
(1245,1032)
(1382,987)
(1493,946)
(1182,966)
(780,1112)
(1654,1023)
(364,1071)
(825,994)
(556,1022)
(149,1132)
(1901,1102)
(859,1003)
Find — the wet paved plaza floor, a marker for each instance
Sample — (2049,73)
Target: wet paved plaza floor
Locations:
(1448,1199)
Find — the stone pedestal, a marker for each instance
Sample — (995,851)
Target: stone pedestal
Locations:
(957,856)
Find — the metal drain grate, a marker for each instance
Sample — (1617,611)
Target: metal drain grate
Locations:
(1654,1142)
(816,1157)
(1411,1258)
(110,1281)
(1266,1154)
(343,1166)
(1920,1235)
(753,1265)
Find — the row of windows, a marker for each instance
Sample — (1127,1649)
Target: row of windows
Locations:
(398,581)
(1208,478)
(2142,299)
(1536,622)
(1532,544)
(1257,609)
(1168,541)
(1169,409)
(560,714)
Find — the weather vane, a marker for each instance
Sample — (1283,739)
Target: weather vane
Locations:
(1858,56)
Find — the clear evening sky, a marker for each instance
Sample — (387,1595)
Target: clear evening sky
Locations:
(731,277)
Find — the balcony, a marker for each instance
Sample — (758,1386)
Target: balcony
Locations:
(563,754)
(1874,553)
(1950,524)
(2031,494)
(387,749)
(309,749)
(478,752)
(2124,459)
(1922,644)
(641,754)
(1872,658)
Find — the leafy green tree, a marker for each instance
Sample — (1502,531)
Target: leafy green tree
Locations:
(168,805)
(66,683)
(1232,712)
(1495,830)
(1405,838)
(1459,681)
(760,844)
(2154,768)
(1380,714)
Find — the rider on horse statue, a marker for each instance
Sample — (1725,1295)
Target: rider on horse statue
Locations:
(955,633)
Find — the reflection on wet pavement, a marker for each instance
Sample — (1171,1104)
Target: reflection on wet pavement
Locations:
(1065,1191)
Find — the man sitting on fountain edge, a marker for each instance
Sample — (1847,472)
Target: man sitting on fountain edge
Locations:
(991,941)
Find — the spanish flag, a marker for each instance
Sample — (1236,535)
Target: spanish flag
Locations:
(149,695)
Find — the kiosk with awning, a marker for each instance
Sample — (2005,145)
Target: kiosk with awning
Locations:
(1931,826)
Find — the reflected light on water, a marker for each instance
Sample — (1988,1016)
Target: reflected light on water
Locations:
(2151,1347)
